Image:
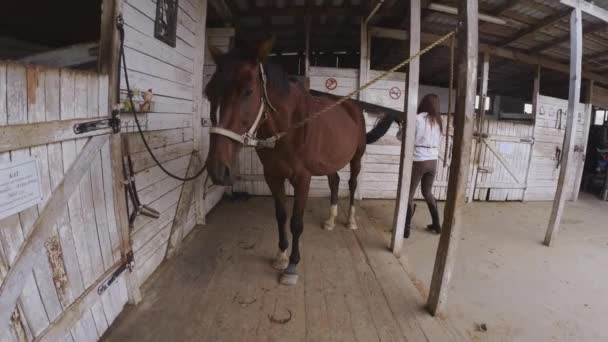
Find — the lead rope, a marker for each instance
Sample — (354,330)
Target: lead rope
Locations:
(347,97)
(447,128)
(121,31)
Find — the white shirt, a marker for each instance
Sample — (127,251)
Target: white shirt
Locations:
(428,138)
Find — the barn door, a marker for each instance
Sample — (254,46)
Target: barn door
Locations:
(55,254)
(503,163)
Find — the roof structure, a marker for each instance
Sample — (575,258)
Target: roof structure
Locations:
(538,29)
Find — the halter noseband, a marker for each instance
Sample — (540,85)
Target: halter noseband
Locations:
(250,138)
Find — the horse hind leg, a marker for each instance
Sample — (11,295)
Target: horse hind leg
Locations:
(355,169)
(334,184)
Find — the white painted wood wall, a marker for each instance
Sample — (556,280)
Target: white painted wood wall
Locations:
(168,71)
(542,181)
(504,156)
(85,240)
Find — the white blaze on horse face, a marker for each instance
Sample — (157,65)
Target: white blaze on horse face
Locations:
(352,219)
(330,223)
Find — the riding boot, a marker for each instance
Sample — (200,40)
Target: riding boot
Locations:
(436,225)
(408,220)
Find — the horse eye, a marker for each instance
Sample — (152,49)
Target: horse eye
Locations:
(248,92)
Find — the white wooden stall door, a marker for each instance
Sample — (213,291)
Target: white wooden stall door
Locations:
(83,241)
(503,161)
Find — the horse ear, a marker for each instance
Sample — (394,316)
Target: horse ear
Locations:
(264,48)
(216,53)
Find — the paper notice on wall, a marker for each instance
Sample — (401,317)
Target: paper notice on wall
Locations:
(19,186)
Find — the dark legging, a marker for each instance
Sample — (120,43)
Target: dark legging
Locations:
(423,172)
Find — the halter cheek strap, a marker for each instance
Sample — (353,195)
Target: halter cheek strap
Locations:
(249,138)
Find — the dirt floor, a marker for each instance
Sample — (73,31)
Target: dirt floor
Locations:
(506,279)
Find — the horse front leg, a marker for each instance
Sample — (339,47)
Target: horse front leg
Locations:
(277,188)
(301,186)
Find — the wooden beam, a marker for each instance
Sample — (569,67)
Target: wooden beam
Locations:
(483,94)
(407,136)
(183,207)
(588,8)
(500,9)
(467,56)
(587,115)
(549,20)
(302,10)
(30,251)
(364,66)
(198,106)
(307,47)
(108,65)
(66,56)
(535,108)
(560,40)
(15,137)
(576,47)
(75,311)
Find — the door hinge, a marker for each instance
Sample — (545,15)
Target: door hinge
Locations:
(129,264)
(112,122)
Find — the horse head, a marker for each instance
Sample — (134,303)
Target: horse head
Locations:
(237,89)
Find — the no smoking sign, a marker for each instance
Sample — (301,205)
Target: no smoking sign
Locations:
(394,93)
(331,83)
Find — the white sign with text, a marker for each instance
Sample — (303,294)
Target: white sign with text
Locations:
(19,186)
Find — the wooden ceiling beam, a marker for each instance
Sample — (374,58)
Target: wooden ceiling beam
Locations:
(547,21)
(302,10)
(565,38)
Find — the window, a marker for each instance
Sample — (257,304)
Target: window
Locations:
(165,25)
(487,104)
(600,117)
(528,108)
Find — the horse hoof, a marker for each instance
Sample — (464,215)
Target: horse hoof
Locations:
(288,279)
(352,225)
(329,226)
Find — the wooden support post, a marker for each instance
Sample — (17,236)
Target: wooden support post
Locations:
(307,48)
(407,138)
(587,115)
(467,54)
(364,56)
(198,106)
(576,45)
(535,97)
(109,48)
(483,97)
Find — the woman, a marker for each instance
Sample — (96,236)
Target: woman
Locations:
(426,153)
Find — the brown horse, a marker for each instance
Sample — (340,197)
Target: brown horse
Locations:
(257,100)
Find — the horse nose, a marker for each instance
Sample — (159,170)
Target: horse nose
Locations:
(220,174)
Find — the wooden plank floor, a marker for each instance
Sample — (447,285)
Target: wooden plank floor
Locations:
(221,286)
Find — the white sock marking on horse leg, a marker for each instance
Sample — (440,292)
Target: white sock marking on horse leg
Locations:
(352,218)
(281,260)
(330,223)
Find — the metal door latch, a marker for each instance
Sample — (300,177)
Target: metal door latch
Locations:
(95,125)
(129,264)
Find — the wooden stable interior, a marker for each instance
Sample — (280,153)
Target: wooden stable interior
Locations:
(54,256)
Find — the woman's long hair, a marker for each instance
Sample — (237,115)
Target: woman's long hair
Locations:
(430,105)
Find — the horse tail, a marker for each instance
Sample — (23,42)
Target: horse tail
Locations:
(380,129)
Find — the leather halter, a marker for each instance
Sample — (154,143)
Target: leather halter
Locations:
(250,138)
